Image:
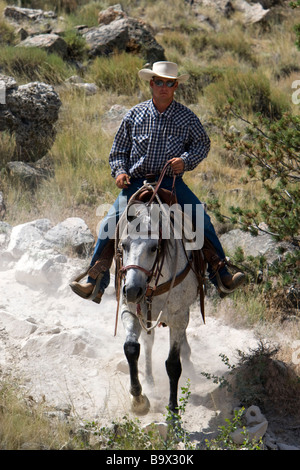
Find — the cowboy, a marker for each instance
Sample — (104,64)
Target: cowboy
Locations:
(152,133)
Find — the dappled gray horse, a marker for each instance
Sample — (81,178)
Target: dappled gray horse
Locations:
(157,285)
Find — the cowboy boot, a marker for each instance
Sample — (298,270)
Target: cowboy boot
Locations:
(89,290)
(226,283)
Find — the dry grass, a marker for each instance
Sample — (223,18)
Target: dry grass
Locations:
(24,424)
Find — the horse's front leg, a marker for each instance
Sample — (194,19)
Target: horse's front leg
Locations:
(140,403)
(173,366)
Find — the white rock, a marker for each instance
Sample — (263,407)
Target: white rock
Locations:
(40,268)
(253,415)
(18,329)
(162,428)
(88,88)
(28,235)
(250,432)
(72,232)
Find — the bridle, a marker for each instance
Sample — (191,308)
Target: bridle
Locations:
(154,273)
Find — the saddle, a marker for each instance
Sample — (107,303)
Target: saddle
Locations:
(148,193)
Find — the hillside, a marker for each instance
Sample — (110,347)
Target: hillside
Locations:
(244,68)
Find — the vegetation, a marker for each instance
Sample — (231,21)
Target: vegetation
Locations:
(241,88)
(27,425)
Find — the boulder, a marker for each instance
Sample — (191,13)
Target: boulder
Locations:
(28,21)
(27,14)
(27,173)
(112,119)
(112,13)
(18,329)
(125,34)
(51,43)
(28,235)
(261,245)
(252,433)
(254,416)
(72,233)
(252,13)
(30,111)
(40,268)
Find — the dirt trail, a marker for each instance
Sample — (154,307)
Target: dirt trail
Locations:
(64,349)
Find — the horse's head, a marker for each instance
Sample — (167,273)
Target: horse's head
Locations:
(140,246)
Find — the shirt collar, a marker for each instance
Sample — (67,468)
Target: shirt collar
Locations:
(166,113)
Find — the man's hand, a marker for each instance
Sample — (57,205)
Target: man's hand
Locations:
(177,165)
(122,180)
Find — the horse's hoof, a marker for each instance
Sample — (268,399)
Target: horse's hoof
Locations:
(140,405)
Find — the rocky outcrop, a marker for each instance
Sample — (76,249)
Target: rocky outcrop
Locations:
(28,21)
(51,43)
(252,11)
(39,250)
(119,32)
(27,14)
(29,112)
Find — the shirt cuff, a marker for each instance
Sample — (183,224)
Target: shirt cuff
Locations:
(118,172)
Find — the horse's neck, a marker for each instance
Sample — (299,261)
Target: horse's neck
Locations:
(175,257)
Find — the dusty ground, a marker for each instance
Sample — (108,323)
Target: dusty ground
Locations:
(65,351)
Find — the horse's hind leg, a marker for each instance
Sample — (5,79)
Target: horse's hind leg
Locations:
(148,340)
(185,352)
(140,403)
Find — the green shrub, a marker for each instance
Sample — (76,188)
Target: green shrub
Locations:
(7,34)
(76,45)
(249,91)
(200,77)
(118,73)
(31,64)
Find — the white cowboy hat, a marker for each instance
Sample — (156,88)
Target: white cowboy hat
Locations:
(164,70)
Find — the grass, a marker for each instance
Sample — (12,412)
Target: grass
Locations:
(230,63)
(24,423)
(252,66)
(31,64)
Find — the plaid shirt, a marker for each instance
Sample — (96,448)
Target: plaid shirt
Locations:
(146,140)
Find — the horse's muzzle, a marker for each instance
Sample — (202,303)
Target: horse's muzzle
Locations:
(133,293)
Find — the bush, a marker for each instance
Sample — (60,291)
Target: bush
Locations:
(7,33)
(271,154)
(118,73)
(232,41)
(249,91)
(32,64)
(76,45)
(200,77)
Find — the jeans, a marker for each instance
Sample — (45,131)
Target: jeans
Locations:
(184,196)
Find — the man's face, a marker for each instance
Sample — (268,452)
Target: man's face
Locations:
(160,91)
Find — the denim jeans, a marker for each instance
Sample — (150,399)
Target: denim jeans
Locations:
(184,196)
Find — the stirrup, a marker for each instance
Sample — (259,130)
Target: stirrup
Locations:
(95,290)
(222,288)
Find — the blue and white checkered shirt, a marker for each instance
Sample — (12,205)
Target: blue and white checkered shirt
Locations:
(146,140)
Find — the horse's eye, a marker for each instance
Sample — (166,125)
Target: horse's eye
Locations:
(153,249)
